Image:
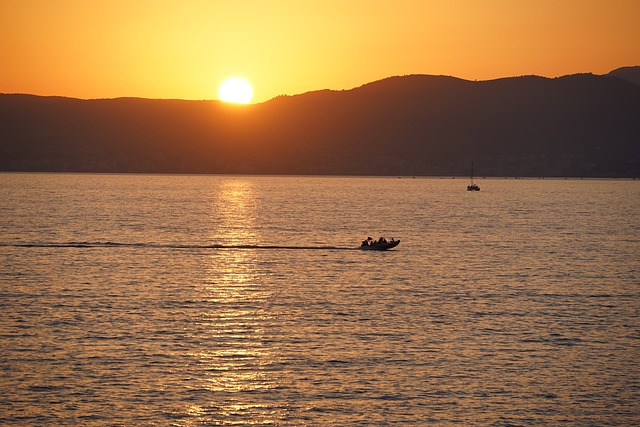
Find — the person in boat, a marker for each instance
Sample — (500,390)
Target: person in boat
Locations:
(365,243)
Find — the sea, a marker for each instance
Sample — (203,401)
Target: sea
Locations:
(150,300)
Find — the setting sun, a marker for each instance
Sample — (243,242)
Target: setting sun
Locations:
(235,90)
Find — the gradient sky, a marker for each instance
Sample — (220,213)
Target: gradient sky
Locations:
(185,48)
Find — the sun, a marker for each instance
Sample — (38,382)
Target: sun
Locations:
(235,90)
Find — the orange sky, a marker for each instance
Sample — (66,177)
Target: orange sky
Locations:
(185,48)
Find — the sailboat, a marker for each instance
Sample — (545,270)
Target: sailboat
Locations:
(472,186)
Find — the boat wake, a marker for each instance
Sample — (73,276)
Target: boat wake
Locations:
(165,246)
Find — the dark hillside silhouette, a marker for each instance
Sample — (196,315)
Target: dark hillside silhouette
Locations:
(631,74)
(578,125)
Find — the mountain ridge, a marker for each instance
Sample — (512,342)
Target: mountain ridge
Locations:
(575,125)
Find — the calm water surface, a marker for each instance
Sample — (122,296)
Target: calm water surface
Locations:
(220,300)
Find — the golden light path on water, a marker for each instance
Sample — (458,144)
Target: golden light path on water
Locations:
(237,361)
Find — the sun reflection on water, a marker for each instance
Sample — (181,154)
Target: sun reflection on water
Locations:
(233,212)
(236,366)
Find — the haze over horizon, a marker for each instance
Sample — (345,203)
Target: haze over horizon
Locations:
(165,50)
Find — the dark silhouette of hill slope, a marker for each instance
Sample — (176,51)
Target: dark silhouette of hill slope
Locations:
(578,125)
(631,74)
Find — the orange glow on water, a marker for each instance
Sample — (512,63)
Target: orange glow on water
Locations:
(162,50)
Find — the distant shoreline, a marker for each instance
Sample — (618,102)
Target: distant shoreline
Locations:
(438,177)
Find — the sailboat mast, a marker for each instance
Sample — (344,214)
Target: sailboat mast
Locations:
(472,186)
(472,172)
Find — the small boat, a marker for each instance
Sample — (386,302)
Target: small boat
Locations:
(381,244)
(472,186)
